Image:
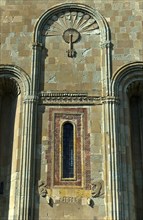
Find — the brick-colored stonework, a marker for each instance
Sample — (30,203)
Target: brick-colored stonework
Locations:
(82,142)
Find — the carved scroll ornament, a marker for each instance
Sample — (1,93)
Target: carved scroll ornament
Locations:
(42,188)
(97,189)
(44,193)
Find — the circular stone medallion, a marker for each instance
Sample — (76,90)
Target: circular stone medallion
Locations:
(71,31)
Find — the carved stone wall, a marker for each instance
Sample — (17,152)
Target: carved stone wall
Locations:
(79,61)
(69,56)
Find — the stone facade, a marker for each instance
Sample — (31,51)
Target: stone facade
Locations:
(77,62)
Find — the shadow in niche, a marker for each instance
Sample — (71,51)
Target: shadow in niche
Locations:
(111,49)
(44,55)
(8,105)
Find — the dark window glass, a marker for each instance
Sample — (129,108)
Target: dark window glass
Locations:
(68,151)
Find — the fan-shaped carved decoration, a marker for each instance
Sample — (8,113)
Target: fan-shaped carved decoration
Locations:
(71,25)
(79,21)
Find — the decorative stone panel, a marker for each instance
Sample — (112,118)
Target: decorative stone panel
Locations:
(82,141)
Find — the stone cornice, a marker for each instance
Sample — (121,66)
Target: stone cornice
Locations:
(46,98)
(68,98)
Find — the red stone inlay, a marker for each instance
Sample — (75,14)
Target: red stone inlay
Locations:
(82,141)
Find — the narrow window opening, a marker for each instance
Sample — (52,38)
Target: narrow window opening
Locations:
(68,150)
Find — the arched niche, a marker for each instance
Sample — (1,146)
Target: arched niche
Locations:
(70,47)
(127,86)
(14,87)
(57,72)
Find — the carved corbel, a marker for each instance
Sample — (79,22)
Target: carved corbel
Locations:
(42,188)
(44,193)
(97,189)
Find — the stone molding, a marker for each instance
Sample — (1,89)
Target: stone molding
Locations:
(110,99)
(31,98)
(13,72)
(68,98)
(126,75)
(46,98)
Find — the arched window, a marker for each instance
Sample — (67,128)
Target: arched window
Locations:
(67,150)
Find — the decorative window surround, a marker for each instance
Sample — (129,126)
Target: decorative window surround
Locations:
(78,116)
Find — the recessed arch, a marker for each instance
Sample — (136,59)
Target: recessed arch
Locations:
(127,88)
(18,75)
(14,89)
(42,51)
(125,75)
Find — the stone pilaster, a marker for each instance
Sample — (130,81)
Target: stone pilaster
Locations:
(111,155)
(28,158)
